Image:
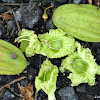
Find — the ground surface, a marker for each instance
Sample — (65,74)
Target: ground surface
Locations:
(32,20)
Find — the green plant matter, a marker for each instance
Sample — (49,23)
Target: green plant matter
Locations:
(46,79)
(56,43)
(12,61)
(82,65)
(45,16)
(29,42)
(81,21)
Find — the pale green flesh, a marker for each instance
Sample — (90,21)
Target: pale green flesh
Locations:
(80,66)
(56,44)
(81,21)
(8,65)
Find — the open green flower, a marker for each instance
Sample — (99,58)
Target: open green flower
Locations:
(46,79)
(56,43)
(29,42)
(82,65)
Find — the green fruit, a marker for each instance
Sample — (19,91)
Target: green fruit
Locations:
(81,21)
(12,61)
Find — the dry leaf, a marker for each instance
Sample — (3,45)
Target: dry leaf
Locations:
(27,91)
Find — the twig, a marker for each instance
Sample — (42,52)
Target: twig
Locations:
(12,32)
(19,95)
(16,22)
(18,79)
(14,4)
(18,4)
(1,92)
(36,95)
(90,2)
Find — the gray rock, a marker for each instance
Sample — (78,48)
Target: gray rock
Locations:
(24,83)
(8,96)
(0,33)
(2,9)
(81,88)
(28,15)
(49,25)
(74,97)
(11,25)
(76,1)
(67,93)
(2,27)
(62,1)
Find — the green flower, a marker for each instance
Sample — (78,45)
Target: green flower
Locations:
(82,65)
(29,42)
(56,43)
(46,79)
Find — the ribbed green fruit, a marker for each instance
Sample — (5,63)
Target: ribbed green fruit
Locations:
(81,21)
(12,61)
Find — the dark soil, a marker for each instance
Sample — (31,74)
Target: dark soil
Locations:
(9,31)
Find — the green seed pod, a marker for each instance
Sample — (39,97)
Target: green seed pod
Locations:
(12,61)
(45,16)
(81,21)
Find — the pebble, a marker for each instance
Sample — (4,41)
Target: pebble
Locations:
(93,90)
(31,74)
(2,9)
(2,27)
(98,57)
(62,81)
(62,1)
(24,82)
(28,15)
(3,79)
(42,94)
(81,88)
(95,47)
(8,96)
(49,25)
(39,98)
(76,1)
(67,93)
(56,61)
(11,25)
(0,33)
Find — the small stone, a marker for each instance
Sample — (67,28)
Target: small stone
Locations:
(61,1)
(3,79)
(69,98)
(28,15)
(76,1)
(0,33)
(81,88)
(42,94)
(11,25)
(2,27)
(8,96)
(2,9)
(49,25)
(24,82)
(31,74)
(39,98)
(67,92)
(98,57)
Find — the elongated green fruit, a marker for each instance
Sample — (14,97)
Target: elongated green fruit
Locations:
(12,61)
(81,21)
